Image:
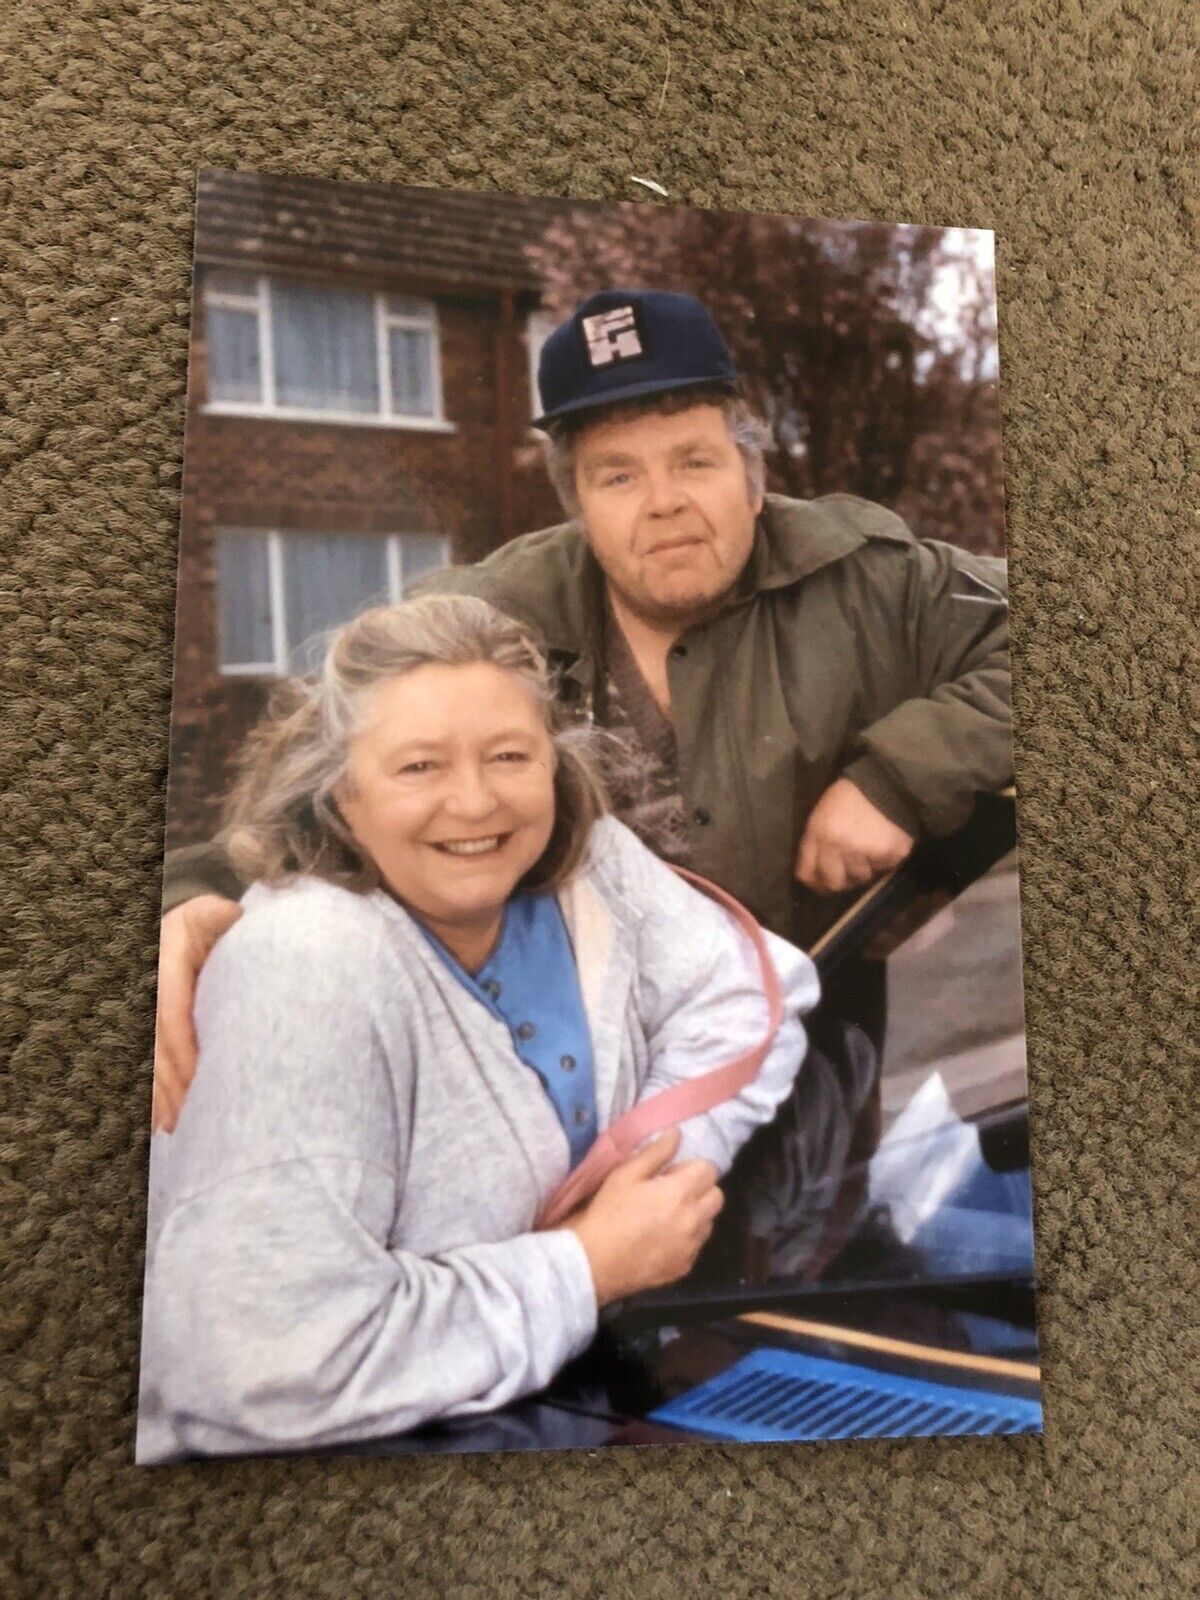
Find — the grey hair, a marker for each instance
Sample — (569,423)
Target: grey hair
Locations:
(282,816)
(749,431)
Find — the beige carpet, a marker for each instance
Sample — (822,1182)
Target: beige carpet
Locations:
(1068,127)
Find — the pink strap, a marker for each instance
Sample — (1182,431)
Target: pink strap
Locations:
(689,1099)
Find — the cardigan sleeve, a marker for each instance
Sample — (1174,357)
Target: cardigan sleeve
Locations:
(277,1315)
(701,1001)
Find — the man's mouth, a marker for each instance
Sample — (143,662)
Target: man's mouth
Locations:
(665,546)
(473,847)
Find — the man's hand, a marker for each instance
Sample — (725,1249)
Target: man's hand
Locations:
(644,1227)
(188,934)
(848,841)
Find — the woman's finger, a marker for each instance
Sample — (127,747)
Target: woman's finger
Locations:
(694,1177)
(653,1156)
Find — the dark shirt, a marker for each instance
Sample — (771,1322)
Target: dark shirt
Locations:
(643,767)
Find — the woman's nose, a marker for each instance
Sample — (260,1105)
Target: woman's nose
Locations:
(471,795)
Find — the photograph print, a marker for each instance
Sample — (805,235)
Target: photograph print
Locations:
(589,1003)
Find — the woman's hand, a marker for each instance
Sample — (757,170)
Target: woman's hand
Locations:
(645,1227)
(187,936)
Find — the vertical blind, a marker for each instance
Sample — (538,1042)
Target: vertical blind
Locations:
(339,351)
(324,348)
(278,594)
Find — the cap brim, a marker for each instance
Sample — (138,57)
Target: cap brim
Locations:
(631,391)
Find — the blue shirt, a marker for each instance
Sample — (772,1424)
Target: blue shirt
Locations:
(530,983)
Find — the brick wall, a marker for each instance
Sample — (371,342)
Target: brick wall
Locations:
(319,477)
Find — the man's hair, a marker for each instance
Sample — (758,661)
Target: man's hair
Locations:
(282,818)
(749,433)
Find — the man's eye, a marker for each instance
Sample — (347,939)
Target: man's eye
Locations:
(699,461)
(614,480)
(511,755)
(416,768)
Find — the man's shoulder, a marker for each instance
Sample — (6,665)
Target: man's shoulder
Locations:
(540,578)
(834,524)
(860,541)
(835,516)
(833,532)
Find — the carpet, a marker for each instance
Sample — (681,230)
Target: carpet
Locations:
(1067,127)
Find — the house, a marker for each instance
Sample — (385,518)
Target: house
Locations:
(360,389)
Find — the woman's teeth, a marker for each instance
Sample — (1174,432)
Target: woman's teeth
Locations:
(470,847)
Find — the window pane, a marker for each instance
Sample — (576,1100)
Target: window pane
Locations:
(537,330)
(421,552)
(233,372)
(324,348)
(327,579)
(412,371)
(244,600)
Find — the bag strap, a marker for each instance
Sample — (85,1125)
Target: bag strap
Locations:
(688,1099)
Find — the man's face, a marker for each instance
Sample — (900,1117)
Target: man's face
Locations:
(666,508)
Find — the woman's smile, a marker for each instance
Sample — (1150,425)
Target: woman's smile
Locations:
(490,845)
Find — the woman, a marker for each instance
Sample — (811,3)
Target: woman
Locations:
(453,970)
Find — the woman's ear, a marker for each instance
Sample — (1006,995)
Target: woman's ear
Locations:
(339,806)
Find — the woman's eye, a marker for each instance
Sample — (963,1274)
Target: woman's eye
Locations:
(415,769)
(511,755)
(699,461)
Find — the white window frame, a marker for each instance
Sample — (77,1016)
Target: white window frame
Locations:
(539,325)
(275,537)
(259,302)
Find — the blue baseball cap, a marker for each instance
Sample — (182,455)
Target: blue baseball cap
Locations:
(625,343)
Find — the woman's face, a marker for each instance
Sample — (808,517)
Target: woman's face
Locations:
(450,790)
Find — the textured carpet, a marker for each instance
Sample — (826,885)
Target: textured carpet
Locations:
(1069,128)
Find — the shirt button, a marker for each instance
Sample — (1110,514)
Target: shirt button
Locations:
(492,989)
(581,1116)
(679,651)
(567,1063)
(525,1031)
(701,817)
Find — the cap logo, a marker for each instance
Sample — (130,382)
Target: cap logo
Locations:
(612,336)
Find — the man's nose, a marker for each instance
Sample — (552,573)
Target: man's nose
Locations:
(664,494)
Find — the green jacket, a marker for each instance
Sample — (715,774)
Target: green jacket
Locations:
(849,648)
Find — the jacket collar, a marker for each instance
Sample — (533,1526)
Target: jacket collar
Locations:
(552,579)
(795,538)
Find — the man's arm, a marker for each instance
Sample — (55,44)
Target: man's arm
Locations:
(197,869)
(923,763)
(200,896)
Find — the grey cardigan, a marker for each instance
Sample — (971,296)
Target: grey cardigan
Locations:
(340,1240)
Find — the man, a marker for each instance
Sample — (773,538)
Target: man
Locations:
(805,686)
